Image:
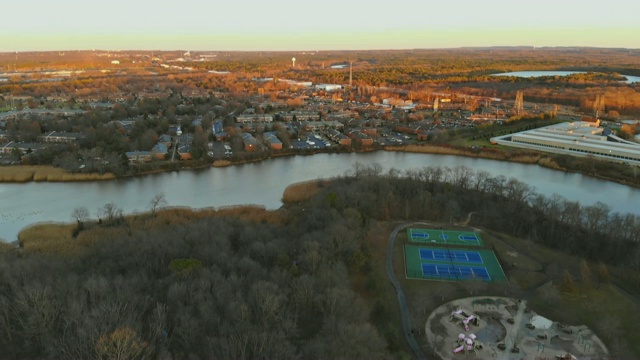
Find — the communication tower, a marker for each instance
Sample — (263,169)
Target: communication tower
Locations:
(519,104)
(351,73)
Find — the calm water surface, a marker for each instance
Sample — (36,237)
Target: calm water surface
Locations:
(263,183)
(528,74)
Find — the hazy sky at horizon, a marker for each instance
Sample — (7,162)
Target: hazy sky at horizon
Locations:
(314,25)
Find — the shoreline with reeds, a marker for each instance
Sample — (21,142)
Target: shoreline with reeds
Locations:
(42,173)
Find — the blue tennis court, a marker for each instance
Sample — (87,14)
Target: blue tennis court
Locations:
(439,236)
(420,235)
(455,272)
(458,256)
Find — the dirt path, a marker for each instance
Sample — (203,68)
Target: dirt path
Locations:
(512,337)
(402,301)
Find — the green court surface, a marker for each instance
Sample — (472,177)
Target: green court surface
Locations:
(444,237)
(444,264)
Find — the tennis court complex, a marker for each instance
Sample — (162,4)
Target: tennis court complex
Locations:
(452,264)
(442,237)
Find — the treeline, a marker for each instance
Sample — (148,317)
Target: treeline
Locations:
(499,203)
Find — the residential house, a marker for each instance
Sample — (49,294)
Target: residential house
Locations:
(339,137)
(60,137)
(185,144)
(250,142)
(422,135)
(320,125)
(361,138)
(254,118)
(25,148)
(272,141)
(139,156)
(160,149)
(300,116)
(410,128)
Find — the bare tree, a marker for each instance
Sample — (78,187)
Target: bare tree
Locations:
(111,211)
(157,202)
(80,214)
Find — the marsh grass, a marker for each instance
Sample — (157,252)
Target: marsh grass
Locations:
(5,247)
(301,191)
(26,173)
(447,150)
(58,238)
(222,163)
(49,238)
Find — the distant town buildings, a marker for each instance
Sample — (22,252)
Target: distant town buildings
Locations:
(254,118)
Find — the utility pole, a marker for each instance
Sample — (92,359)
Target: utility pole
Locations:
(175,147)
(350,73)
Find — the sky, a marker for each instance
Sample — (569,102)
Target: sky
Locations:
(297,25)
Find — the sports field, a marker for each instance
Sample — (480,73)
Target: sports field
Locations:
(444,237)
(452,264)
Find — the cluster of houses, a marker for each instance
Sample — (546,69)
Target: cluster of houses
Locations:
(319,109)
(10,143)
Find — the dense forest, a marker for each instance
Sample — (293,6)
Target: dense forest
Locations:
(212,288)
(180,284)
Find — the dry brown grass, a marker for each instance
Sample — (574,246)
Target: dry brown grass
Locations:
(6,247)
(526,159)
(445,150)
(25,173)
(173,216)
(58,238)
(428,149)
(49,238)
(301,191)
(221,163)
(549,163)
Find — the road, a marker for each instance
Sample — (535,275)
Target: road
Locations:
(402,301)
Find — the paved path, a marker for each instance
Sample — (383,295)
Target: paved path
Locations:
(402,301)
(466,223)
(512,332)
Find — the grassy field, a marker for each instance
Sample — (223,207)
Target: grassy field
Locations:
(26,173)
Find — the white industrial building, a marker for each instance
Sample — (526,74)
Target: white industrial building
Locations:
(329,87)
(578,138)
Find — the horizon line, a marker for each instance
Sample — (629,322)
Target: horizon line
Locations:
(329,50)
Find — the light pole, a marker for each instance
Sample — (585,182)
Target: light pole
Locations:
(175,146)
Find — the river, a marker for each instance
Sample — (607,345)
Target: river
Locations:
(264,182)
(528,74)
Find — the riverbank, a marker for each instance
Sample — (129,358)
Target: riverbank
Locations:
(37,173)
(602,170)
(605,170)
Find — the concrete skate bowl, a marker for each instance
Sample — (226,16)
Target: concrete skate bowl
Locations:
(493,332)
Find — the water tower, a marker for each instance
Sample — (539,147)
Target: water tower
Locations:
(293,62)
